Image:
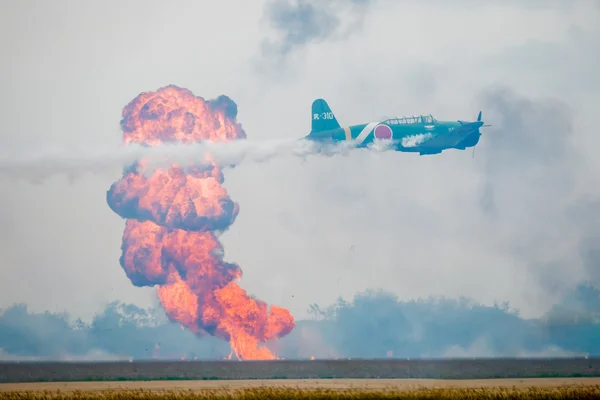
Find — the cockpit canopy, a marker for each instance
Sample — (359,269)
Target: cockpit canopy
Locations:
(414,119)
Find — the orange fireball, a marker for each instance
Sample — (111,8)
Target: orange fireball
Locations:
(168,239)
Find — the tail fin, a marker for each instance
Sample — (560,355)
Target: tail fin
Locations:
(322,117)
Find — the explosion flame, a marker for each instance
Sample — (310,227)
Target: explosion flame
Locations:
(172,216)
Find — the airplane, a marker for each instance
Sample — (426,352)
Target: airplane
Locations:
(423,133)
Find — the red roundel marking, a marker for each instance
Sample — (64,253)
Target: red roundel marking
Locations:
(383,132)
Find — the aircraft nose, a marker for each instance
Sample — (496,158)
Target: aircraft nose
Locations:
(474,125)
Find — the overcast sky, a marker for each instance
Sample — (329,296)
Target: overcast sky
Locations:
(519,222)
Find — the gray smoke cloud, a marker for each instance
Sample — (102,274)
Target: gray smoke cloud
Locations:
(373,324)
(530,141)
(121,331)
(531,199)
(299,23)
(585,214)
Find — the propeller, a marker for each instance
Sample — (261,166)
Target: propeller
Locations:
(479,120)
(482,126)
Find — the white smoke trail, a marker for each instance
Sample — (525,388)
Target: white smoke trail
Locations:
(415,140)
(39,165)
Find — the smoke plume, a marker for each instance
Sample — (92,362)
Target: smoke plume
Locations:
(172,215)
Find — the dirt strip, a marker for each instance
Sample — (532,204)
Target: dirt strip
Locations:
(14,372)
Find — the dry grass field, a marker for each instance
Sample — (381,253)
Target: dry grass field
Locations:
(548,388)
(334,384)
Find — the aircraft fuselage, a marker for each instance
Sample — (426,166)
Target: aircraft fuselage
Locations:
(422,134)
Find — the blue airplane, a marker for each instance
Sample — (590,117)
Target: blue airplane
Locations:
(423,133)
